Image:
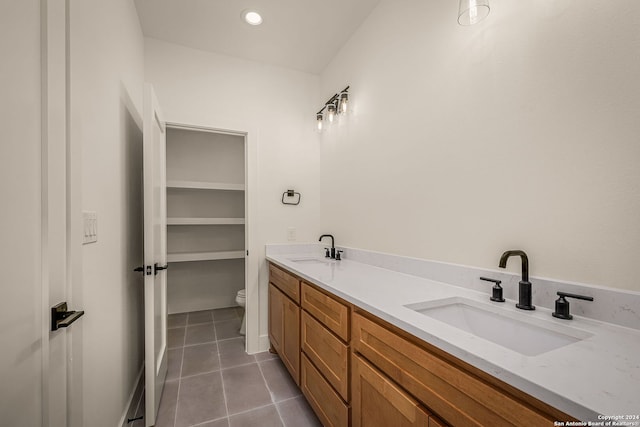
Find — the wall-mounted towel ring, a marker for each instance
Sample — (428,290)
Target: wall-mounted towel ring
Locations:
(290,194)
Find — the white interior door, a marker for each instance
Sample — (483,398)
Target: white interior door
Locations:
(22,318)
(37,365)
(155,254)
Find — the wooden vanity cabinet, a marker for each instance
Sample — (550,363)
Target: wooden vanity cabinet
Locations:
(457,392)
(357,369)
(284,319)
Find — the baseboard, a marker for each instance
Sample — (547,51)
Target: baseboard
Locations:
(261,345)
(134,400)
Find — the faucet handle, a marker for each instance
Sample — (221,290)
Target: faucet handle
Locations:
(497,289)
(562,305)
(338,256)
(327,254)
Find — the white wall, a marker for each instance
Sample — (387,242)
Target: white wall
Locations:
(197,87)
(519,132)
(106,84)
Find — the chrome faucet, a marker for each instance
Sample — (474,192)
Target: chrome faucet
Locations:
(524,295)
(333,247)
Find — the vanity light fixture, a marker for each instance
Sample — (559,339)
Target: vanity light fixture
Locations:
(251,17)
(472,11)
(337,104)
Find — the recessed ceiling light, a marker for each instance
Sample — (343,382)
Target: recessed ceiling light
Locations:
(252,17)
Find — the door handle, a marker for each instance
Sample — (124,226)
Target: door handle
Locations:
(141,269)
(61,317)
(157,268)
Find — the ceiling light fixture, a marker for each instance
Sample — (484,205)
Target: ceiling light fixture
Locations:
(337,104)
(252,17)
(472,11)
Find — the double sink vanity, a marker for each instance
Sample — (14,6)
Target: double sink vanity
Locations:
(370,346)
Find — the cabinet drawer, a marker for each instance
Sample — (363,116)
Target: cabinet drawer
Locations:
(327,352)
(326,403)
(331,313)
(455,395)
(377,401)
(286,282)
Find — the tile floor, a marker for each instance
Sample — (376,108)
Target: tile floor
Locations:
(212,382)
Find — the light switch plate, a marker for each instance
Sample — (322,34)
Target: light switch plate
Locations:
(89,227)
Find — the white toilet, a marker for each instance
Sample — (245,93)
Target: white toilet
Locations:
(241,299)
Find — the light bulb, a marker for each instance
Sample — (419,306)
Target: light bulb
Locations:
(473,14)
(320,120)
(331,112)
(344,102)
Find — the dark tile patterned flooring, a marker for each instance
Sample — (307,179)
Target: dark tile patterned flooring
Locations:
(213,382)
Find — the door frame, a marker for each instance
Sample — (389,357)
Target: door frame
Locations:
(251,284)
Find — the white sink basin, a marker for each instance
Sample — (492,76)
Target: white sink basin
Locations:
(527,336)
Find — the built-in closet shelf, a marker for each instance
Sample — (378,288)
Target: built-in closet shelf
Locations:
(206,193)
(199,185)
(204,256)
(205,221)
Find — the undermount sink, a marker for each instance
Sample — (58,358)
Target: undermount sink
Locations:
(310,260)
(530,337)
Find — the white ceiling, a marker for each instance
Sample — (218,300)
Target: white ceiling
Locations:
(299,34)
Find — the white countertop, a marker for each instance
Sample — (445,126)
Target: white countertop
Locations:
(597,375)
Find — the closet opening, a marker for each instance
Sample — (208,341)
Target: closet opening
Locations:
(207,239)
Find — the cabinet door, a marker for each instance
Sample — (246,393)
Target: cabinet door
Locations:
(276,318)
(284,330)
(377,401)
(291,346)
